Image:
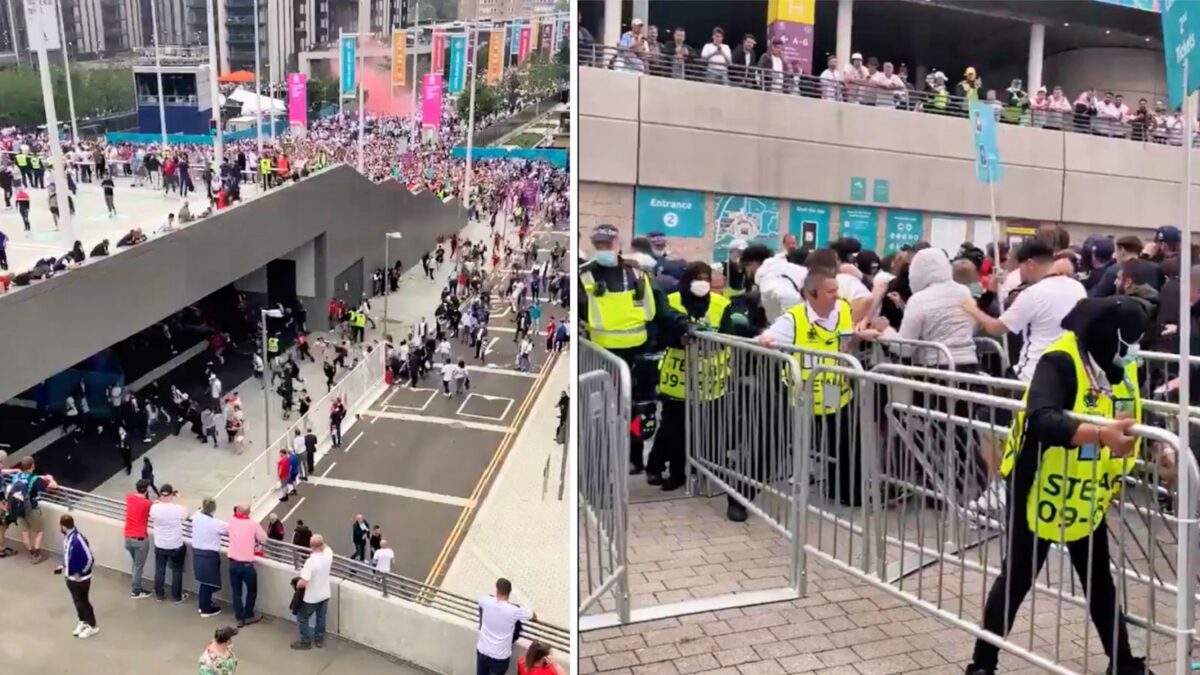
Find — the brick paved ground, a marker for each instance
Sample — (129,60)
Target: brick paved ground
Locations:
(684,549)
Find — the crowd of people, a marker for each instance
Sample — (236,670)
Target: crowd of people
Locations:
(1074,316)
(746,62)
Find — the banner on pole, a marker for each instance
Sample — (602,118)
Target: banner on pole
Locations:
(547,39)
(438,56)
(458,64)
(514,38)
(987,152)
(1179,48)
(41,24)
(495,57)
(431,100)
(297,94)
(535,29)
(523,44)
(399,54)
(349,52)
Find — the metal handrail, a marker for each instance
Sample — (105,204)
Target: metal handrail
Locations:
(1163,131)
(343,568)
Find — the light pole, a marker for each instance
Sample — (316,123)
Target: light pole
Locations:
(67,69)
(471,116)
(60,168)
(272,314)
(12,35)
(162,104)
(416,33)
(387,266)
(362,130)
(257,84)
(214,91)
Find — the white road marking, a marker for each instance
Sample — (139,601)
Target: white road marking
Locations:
(429,399)
(446,421)
(397,491)
(292,510)
(328,469)
(488,349)
(351,445)
(502,329)
(499,371)
(471,395)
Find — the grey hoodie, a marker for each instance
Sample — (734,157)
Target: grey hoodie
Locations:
(934,313)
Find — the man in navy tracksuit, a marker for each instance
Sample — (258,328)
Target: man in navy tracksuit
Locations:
(77,566)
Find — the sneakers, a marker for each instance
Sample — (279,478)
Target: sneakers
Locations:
(654,478)
(250,620)
(1129,666)
(210,613)
(79,628)
(979,670)
(87,632)
(141,595)
(183,598)
(319,643)
(299,644)
(993,499)
(735,512)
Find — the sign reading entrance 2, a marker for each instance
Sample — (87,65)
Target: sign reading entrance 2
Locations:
(1179,21)
(675,213)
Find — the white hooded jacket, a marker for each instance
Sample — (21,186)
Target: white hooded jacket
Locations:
(781,285)
(934,313)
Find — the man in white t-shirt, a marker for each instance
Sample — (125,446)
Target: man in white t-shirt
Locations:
(498,629)
(718,57)
(1037,313)
(166,518)
(314,581)
(382,559)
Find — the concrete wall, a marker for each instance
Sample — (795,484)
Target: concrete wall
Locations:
(1136,73)
(410,632)
(57,323)
(667,133)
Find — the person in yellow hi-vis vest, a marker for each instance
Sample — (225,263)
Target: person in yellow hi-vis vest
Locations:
(823,323)
(358,322)
(620,311)
(1063,474)
(264,169)
(706,311)
(23,166)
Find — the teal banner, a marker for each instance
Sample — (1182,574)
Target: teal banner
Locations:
(809,222)
(904,228)
(861,223)
(754,220)
(556,158)
(675,213)
(458,64)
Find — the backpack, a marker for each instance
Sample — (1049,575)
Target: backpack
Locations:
(19,497)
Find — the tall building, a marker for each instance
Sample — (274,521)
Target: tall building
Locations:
(502,10)
(91,28)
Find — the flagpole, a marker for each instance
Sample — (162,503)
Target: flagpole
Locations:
(257,86)
(271,88)
(358,82)
(162,104)
(416,33)
(341,77)
(67,69)
(214,90)
(471,114)
(59,167)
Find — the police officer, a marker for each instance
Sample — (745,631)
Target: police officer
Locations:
(23,166)
(706,311)
(620,311)
(39,172)
(1062,474)
(264,168)
(668,266)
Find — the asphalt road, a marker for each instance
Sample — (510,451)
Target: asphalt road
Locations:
(420,462)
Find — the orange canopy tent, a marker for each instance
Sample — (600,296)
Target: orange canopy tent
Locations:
(238,76)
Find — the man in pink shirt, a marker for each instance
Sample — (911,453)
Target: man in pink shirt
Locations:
(244,536)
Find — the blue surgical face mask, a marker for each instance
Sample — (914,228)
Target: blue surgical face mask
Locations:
(1132,351)
(976,290)
(606,258)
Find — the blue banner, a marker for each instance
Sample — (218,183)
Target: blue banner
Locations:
(1179,48)
(349,53)
(675,213)
(556,158)
(809,222)
(987,153)
(861,223)
(754,220)
(281,126)
(514,37)
(458,64)
(904,228)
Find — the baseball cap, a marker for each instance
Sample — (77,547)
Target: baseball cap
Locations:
(1099,247)
(658,239)
(1168,234)
(856,56)
(604,234)
(637,22)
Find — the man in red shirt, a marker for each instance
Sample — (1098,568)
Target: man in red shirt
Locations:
(284,468)
(137,541)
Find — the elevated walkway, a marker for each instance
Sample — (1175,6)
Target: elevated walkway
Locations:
(143,636)
(343,213)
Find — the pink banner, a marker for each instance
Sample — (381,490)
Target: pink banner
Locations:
(431,100)
(523,44)
(297,96)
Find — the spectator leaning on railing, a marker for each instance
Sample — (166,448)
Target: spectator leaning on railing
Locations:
(678,53)
(742,72)
(717,57)
(831,80)
(772,69)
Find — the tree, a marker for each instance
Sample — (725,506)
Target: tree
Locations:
(487,101)
(98,92)
(430,10)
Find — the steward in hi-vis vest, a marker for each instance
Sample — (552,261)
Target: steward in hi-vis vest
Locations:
(1063,473)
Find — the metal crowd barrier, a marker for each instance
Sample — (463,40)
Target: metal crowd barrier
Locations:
(605,406)
(258,480)
(1166,130)
(345,569)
